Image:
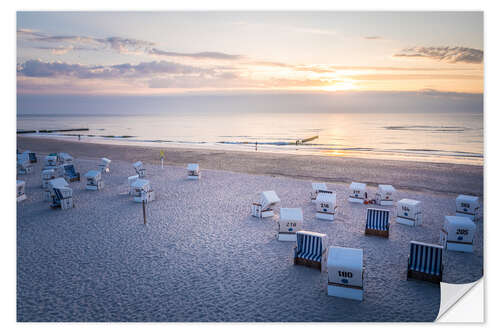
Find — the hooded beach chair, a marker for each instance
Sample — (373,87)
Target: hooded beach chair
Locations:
(23,165)
(316,188)
(32,156)
(104,165)
(264,208)
(384,195)
(94,181)
(457,234)
(142,191)
(140,169)
(51,160)
(425,262)
(47,175)
(291,220)
(62,198)
(326,205)
(310,249)
(357,192)
(20,190)
(345,273)
(377,222)
(467,206)
(64,158)
(409,212)
(70,173)
(193,171)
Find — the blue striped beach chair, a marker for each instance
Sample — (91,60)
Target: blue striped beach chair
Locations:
(377,222)
(310,249)
(425,262)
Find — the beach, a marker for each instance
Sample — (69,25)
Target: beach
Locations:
(203,257)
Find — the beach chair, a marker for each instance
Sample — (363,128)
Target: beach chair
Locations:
(142,191)
(51,160)
(409,212)
(24,166)
(193,171)
(357,193)
(70,173)
(32,156)
(20,190)
(104,165)
(131,180)
(62,198)
(310,249)
(140,169)
(47,175)
(56,182)
(377,222)
(457,234)
(425,262)
(264,208)
(291,220)
(345,273)
(64,158)
(316,188)
(467,206)
(384,195)
(326,205)
(94,181)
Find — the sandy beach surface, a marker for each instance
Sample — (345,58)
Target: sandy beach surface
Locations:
(202,257)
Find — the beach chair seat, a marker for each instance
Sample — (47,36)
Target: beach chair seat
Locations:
(357,192)
(47,175)
(385,195)
(316,188)
(425,262)
(345,273)
(264,208)
(24,166)
(104,165)
(193,171)
(140,169)
(409,212)
(377,222)
(63,198)
(70,173)
(20,190)
(142,191)
(94,181)
(32,157)
(467,206)
(326,205)
(291,220)
(310,249)
(457,234)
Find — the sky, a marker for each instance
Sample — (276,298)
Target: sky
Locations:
(158,53)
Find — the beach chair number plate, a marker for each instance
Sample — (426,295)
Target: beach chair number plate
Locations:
(462,231)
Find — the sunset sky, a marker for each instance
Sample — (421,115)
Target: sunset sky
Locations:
(141,53)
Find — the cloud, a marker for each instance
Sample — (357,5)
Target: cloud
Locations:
(444,53)
(372,37)
(206,55)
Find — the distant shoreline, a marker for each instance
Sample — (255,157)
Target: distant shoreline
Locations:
(417,176)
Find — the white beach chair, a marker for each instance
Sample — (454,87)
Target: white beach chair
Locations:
(94,181)
(140,169)
(64,158)
(409,212)
(60,193)
(51,160)
(24,166)
(291,220)
(316,188)
(20,190)
(458,234)
(142,191)
(47,175)
(384,195)
(193,171)
(357,193)
(104,165)
(264,208)
(467,206)
(377,222)
(310,249)
(425,262)
(345,273)
(130,181)
(326,205)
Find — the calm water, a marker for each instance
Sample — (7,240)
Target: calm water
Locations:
(446,137)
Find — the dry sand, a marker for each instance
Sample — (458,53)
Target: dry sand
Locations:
(202,257)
